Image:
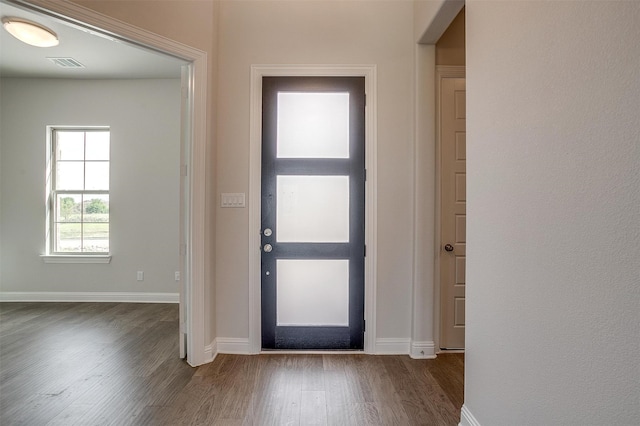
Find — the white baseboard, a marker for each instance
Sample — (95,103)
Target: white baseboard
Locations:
(466,418)
(64,296)
(392,346)
(423,350)
(384,346)
(210,352)
(232,345)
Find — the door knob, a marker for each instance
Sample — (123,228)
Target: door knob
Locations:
(448,247)
(267,248)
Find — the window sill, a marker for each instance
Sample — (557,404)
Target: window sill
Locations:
(72,258)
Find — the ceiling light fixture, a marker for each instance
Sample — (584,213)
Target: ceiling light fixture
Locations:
(30,32)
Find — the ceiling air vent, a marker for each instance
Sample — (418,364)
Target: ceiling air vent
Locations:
(66,62)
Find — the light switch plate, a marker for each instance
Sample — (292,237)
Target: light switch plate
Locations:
(232,200)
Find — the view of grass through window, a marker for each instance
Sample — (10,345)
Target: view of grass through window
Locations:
(81,191)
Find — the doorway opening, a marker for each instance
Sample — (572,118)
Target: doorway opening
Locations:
(450,276)
(192,157)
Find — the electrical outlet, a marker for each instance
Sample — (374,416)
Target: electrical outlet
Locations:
(177,276)
(140,276)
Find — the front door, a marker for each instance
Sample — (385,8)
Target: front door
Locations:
(313,212)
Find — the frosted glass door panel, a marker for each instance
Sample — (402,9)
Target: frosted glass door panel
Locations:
(312,292)
(313,125)
(312,209)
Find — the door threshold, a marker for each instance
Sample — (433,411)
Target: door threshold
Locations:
(310,352)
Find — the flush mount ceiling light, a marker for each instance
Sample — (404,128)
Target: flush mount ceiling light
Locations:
(30,32)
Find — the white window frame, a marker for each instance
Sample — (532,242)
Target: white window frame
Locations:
(53,256)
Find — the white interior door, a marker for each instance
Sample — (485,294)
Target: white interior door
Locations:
(453,202)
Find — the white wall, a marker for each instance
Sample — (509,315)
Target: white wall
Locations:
(553,276)
(316,32)
(424,252)
(194,23)
(144,116)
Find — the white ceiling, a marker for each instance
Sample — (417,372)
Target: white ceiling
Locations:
(103,58)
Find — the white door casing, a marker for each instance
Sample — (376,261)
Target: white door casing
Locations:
(257,72)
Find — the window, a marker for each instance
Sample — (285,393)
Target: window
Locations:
(79,191)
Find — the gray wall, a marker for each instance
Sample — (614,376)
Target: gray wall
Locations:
(144,116)
(553,210)
(377,33)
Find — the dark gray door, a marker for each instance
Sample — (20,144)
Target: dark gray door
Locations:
(313,212)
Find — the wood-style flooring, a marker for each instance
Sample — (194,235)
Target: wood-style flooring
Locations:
(117,364)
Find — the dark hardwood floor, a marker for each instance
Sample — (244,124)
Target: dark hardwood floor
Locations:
(117,364)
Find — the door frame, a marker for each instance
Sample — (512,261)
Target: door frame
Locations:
(255,173)
(442,72)
(193,147)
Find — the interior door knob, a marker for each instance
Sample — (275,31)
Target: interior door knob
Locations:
(448,247)
(267,248)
